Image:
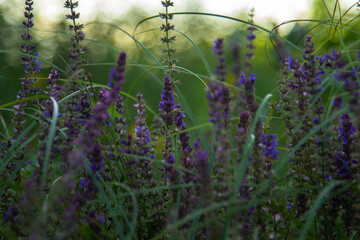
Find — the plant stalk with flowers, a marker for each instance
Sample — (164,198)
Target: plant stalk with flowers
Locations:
(80,159)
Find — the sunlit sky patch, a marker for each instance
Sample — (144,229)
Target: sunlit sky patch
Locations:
(277,10)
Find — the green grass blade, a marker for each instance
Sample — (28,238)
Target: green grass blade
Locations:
(133,38)
(13,150)
(50,139)
(241,169)
(198,51)
(310,215)
(32,56)
(105,198)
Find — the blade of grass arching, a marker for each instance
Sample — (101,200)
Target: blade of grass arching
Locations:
(128,58)
(117,51)
(23,100)
(11,152)
(11,184)
(178,167)
(340,35)
(133,223)
(133,38)
(332,94)
(146,106)
(310,215)
(269,115)
(106,199)
(35,57)
(228,18)
(38,119)
(354,45)
(241,169)
(207,66)
(188,218)
(337,4)
(26,157)
(238,207)
(347,52)
(20,164)
(50,139)
(114,138)
(202,125)
(192,73)
(134,82)
(332,17)
(3,123)
(69,96)
(47,44)
(198,213)
(195,224)
(327,9)
(149,190)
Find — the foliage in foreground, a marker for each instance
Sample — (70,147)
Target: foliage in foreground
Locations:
(72,167)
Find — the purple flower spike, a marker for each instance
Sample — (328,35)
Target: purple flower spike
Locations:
(268,143)
(32,66)
(219,52)
(170,160)
(117,73)
(52,91)
(346,130)
(167,105)
(249,87)
(89,148)
(141,130)
(344,162)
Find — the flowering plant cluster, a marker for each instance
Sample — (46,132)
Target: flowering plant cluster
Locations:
(74,166)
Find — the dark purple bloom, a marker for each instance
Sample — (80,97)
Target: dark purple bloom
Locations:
(10,213)
(101,219)
(338,102)
(250,81)
(288,207)
(268,144)
(324,59)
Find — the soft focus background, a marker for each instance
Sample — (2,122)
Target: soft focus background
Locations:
(106,20)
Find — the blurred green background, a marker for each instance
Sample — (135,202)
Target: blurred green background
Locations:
(105,40)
